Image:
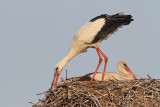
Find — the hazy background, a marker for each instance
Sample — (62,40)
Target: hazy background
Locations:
(36,34)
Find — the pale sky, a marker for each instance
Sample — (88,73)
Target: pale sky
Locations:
(36,34)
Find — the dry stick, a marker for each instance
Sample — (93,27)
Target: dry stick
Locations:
(144,97)
(131,86)
(129,89)
(128,99)
(67,89)
(42,93)
(149,76)
(85,102)
(66,74)
(31,103)
(93,99)
(59,96)
(97,100)
(102,95)
(112,94)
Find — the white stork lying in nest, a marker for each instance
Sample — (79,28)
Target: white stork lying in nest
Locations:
(126,74)
(90,36)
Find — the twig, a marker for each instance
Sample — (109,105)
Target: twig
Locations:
(93,99)
(149,76)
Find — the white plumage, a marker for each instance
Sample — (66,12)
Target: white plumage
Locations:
(126,74)
(90,36)
(87,33)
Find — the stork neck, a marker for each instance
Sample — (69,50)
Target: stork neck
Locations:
(122,70)
(67,58)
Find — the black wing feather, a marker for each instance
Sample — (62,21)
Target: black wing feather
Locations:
(112,23)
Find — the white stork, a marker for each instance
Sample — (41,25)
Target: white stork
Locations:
(126,74)
(90,36)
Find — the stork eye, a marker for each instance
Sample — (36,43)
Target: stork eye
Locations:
(125,65)
(56,68)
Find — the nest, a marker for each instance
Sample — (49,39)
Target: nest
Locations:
(133,93)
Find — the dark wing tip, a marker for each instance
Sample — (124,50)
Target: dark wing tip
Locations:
(118,15)
(98,17)
(122,16)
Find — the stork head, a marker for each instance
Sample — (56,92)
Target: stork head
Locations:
(59,66)
(57,70)
(123,65)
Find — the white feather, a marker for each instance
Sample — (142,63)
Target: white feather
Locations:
(88,32)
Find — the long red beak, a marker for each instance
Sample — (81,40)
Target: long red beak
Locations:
(127,69)
(54,83)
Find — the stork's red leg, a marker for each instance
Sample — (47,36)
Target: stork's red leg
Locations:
(105,64)
(100,61)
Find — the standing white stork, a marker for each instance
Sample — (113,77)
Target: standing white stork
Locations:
(90,36)
(126,74)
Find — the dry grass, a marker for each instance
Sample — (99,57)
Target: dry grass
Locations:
(134,93)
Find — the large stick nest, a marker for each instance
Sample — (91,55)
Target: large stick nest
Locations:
(133,93)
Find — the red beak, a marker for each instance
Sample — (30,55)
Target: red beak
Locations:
(55,79)
(127,69)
